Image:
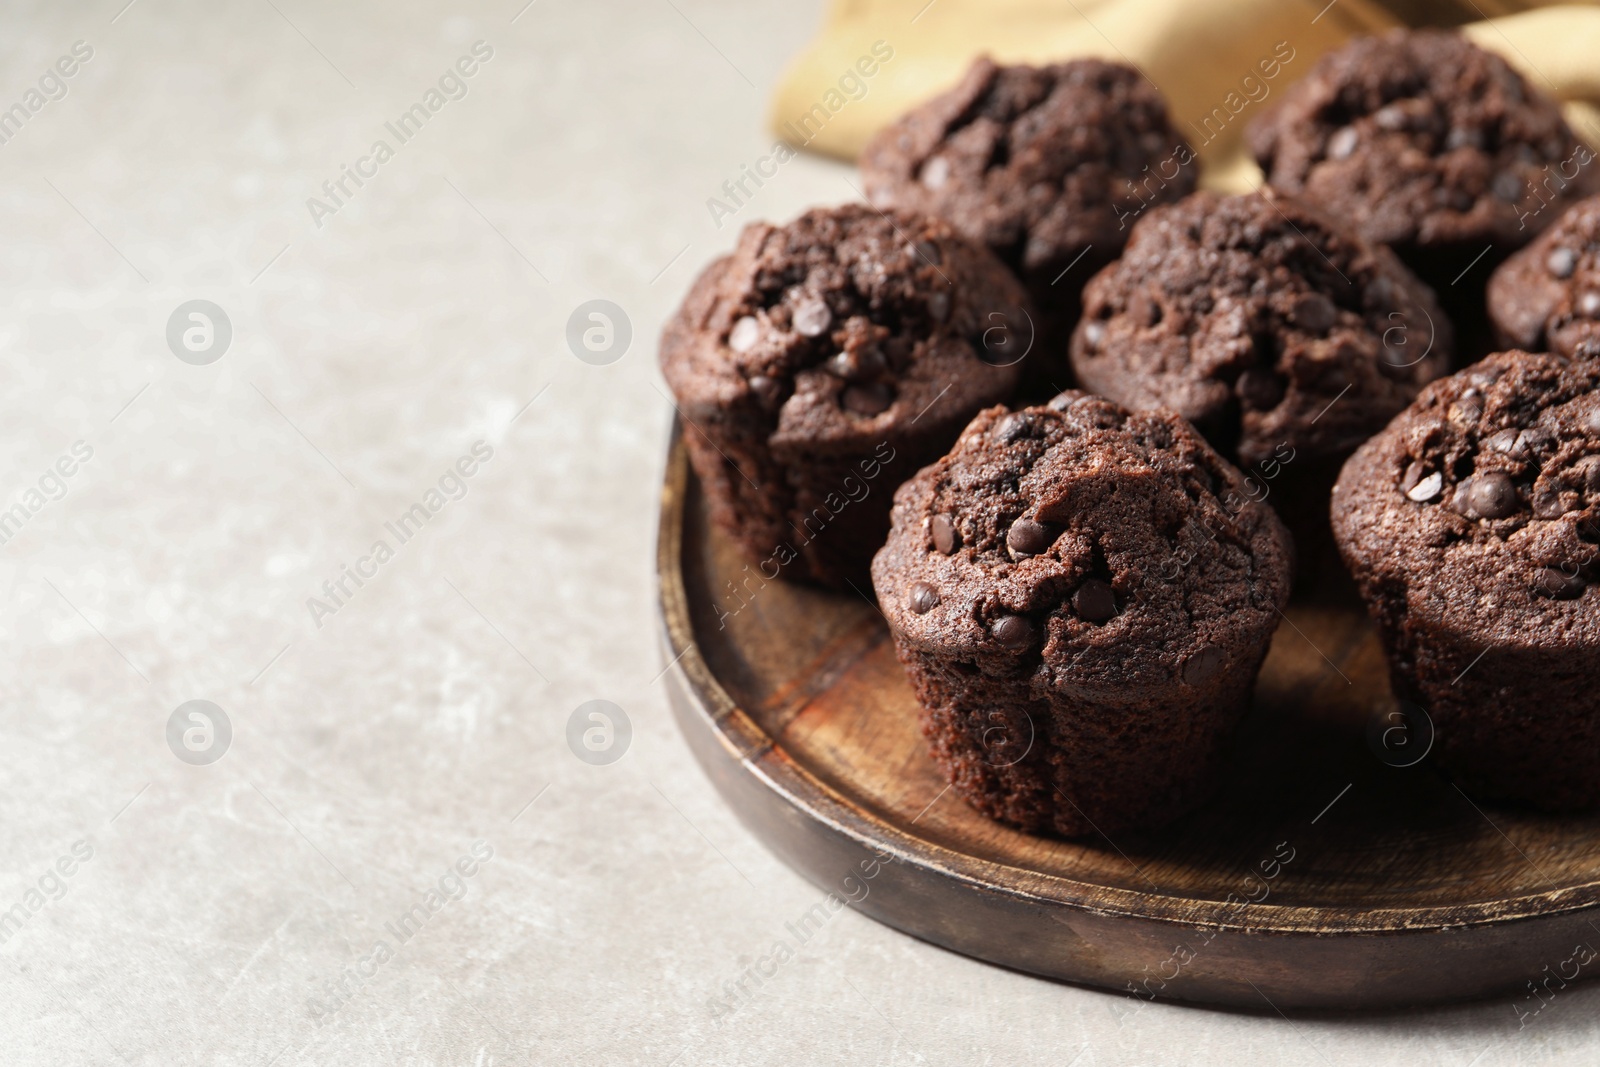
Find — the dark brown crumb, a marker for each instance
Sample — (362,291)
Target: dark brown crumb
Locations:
(1082,598)
(1472,525)
(1421,139)
(1045,165)
(820,364)
(1271,328)
(1547,296)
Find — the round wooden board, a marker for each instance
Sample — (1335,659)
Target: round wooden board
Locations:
(1321,877)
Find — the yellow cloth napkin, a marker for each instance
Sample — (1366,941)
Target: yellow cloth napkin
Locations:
(1218,62)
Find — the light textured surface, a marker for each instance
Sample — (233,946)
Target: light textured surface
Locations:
(371,753)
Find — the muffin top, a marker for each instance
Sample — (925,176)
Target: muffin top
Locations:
(1421,138)
(843,325)
(1035,162)
(1087,546)
(1483,500)
(1263,323)
(1548,294)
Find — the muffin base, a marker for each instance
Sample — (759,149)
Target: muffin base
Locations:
(830,517)
(1074,764)
(1510,724)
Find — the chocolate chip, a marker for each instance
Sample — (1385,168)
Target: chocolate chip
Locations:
(1094,601)
(1504,441)
(1394,355)
(1426,488)
(766,389)
(1591,421)
(1008,338)
(1260,388)
(936,172)
(1028,538)
(945,538)
(1381,295)
(929,252)
(1491,496)
(924,598)
(859,365)
(1467,409)
(1533,440)
(744,335)
(1561,262)
(812,318)
(1589,305)
(1315,313)
(1094,333)
(1013,632)
(1343,143)
(1508,186)
(1547,503)
(1391,118)
(1463,137)
(1013,427)
(939,305)
(1203,665)
(1394,361)
(868,399)
(1558,584)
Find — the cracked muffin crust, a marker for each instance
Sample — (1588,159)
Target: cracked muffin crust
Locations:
(1082,598)
(1426,142)
(1547,296)
(1262,322)
(1043,165)
(1472,526)
(823,362)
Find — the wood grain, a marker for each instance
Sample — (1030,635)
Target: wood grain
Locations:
(1321,877)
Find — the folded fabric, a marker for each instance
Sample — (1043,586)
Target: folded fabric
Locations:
(1218,62)
(1555,49)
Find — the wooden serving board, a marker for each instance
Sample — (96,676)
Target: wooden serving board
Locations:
(1321,877)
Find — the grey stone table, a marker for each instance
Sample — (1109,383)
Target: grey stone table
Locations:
(365,502)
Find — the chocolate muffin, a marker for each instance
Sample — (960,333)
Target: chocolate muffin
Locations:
(1547,296)
(823,362)
(1272,329)
(1082,597)
(1427,143)
(1048,166)
(1472,525)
